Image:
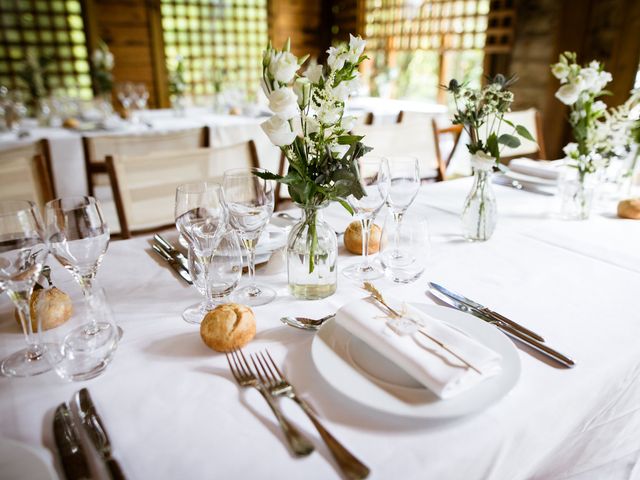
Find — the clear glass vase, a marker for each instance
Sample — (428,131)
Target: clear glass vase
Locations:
(312,254)
(576,195)
(479,214)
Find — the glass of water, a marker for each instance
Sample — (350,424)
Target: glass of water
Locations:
(22,255)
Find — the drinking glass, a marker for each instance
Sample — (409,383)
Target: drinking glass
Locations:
(22,256)
(374,178)
(404,173)
(249,200)
(141,95)
(201,220)
(217,279)
(78,237)
(404,253)
(124,92)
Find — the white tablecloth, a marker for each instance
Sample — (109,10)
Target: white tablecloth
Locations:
(174,411)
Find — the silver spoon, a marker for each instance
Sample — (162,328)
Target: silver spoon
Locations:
(305,323)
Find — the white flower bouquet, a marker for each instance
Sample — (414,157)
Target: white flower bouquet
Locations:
(103,63)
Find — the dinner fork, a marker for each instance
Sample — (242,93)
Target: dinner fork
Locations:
(278,385)
(246,378)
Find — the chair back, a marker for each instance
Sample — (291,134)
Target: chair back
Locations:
(144,186)
(25,174)
(97,148)
(419,140)
(531,120)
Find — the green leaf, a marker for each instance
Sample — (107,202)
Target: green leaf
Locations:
(492,145)
(349,139)
(346,205)
(269,176)
(524,133)
(509,140)
(508,122)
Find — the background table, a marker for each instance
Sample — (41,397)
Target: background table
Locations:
(174,411)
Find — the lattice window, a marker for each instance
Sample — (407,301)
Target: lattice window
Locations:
(50,28)
(219,40)
(416,46)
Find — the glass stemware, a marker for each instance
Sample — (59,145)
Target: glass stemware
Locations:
(374,176)
(404,254)
(201,220)
(250,201)
(404,184)
(125,96)
(22,256)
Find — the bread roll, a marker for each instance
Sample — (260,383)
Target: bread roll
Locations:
(353,238)
(51,305)
(629,208)
(228,327)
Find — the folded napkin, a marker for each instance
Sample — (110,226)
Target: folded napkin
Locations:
(549,169)
(420,357)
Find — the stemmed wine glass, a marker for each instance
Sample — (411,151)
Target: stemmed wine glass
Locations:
(201,219)
(404,174)
(22,256)
(125,96)
(250,201)
(374,177)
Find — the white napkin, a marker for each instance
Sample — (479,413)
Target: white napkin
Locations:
(420,357)
(549,169)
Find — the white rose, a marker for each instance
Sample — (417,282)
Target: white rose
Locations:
(356,48)
(568,94)
(283,66)
(590,77)
(314,73)
(284,103)
(341,92)
(570,149)
(482,161)
(348,123)
(279,131)
(336,58)
(560,71)
(328,115)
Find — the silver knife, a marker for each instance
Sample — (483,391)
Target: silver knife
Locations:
(173,263)
(97,433)
(508,329)
(72,456)
(171,250)
(486,311)
(508,182)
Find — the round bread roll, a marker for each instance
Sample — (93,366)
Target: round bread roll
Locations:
(629,209)
(353,238)
(70,123)
(50,305)
(228,327)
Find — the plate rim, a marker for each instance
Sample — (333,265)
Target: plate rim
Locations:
(510,354)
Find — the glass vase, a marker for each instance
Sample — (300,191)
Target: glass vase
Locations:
(479,214)
(576,195)
(312,254)
(179,105)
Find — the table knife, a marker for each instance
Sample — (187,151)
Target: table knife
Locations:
(507,182)
(507,329)
(173,263)
(171,250)
(97,433)
(72,456)
(487,311)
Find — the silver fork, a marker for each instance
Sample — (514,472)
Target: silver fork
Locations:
(245,377)
(278,385)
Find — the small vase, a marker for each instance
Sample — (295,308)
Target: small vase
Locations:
(312,254)
(178,104)
(576,195)
(480,214)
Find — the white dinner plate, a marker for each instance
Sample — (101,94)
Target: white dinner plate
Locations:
(530,179)
(19,461)
(359,372)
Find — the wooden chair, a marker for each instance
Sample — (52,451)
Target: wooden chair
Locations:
(144,186)
(26,174)
(532,120)
(97,148)
(413,139)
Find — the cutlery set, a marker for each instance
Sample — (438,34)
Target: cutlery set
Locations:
(67,438)
(268,379)
(176,260)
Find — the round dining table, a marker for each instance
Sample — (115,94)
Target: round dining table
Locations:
(173,409)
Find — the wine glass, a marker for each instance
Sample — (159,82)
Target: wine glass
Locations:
(404,174)
(201,220)
(78,237)
(249,200)
(404,253)
(374,178)
(22,256)
(124,93)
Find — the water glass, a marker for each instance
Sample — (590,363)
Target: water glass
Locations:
(22,255)
(405,247)
(375,181)
(201,219)
(250,201)
(404,183)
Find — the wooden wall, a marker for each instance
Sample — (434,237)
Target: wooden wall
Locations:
(302,21)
